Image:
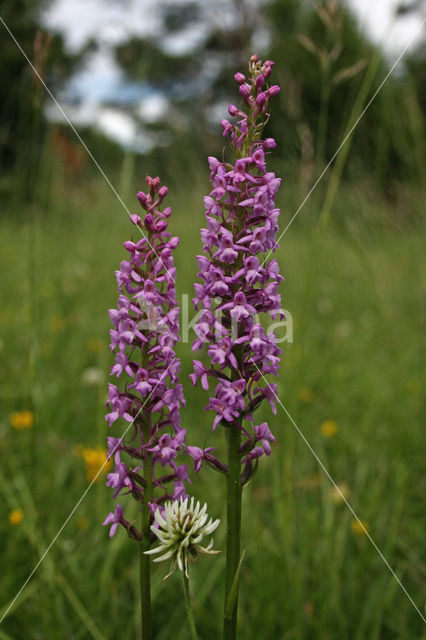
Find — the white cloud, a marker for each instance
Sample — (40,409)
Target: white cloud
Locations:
(153,107)
(217,111)
(118,126)
(377,18)
(98,80)
(112,122)
(80,20)
(115,21)
(185,41)
(81,115)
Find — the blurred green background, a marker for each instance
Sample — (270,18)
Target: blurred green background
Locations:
(352,379)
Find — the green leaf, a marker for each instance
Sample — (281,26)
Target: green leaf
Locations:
(232,595)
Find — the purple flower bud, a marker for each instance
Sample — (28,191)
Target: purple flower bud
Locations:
(273,91)
(240,77)
(154,183)
(129,245)
(270,143)
(163,191)
(232,109)
(245,91)
(261,99)
(260,81)
(135,219)
(161,225)
(149,222)
(142,197)
(226,126)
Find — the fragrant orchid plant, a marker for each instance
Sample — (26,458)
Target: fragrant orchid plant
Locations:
(238,289)
(146,328)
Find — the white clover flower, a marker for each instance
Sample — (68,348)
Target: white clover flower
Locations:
(180,529)
(92,376)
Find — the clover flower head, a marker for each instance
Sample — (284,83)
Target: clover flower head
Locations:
(180,528)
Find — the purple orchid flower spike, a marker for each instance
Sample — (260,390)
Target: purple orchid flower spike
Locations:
(145,332)
(143,338)
(239,288)
(242,224)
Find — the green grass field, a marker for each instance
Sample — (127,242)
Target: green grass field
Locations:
(354,291)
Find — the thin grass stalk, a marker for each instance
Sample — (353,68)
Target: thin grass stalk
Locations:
(233,537)
(323,116)
(359,105)
(144,560)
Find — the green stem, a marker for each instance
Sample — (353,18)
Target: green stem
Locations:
(356,114)
(322,118)
(144,560)
(188,606)
(233,538)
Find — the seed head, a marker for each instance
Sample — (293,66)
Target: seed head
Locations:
(180,529)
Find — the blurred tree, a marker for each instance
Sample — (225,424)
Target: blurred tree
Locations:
(415,61)
(17,87)
(409,7)
(22,123)
(327,69)
(202,77)
(326,64)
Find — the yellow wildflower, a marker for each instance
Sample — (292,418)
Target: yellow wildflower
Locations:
(95,345)
(57,324)
(360,527)
(95,459)
(328,428)
(81,523)
(15,517)
(305,394)
(22,419)
(339,493)
(310,482)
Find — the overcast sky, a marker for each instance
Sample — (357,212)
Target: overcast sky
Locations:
(113,21)
(81,19)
